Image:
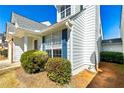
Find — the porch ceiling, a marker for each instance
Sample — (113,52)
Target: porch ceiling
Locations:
(20,32)
(57,26)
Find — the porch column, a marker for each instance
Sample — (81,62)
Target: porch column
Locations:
(64,43)
(10,51)
(25,43)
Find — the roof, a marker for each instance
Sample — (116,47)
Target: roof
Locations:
(116,40)
(46,23)
(62,22)
(24,22)
(33,26)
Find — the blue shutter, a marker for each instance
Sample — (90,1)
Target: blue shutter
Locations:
(64,43)
(43,42)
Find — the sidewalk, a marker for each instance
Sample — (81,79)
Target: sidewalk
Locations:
(6,65)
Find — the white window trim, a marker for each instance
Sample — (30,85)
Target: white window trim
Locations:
(64,11)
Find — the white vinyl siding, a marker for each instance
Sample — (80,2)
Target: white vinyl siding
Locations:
(89,34)
(18,47)
(113,47)
(84,38)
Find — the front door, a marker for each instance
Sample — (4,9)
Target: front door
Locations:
(35,44)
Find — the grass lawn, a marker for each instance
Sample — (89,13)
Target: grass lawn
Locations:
(112,76)
(8,80)
(17,78)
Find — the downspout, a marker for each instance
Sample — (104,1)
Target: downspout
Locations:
(71,42)
(12,50)
(97,54)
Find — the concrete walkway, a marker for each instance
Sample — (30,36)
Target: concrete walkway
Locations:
(6,65)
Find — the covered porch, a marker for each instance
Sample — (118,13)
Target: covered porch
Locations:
(54,39)
(20,40)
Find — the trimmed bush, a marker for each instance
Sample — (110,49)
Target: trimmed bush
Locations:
(59,70)
(115,57)
(33,61)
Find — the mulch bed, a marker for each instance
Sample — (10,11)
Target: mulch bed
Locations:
(35,80)
(41,80)
(110,77)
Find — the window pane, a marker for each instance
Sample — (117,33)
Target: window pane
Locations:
(57,53)
(47,43)
(67,6)
(62,8)
(62,14)
(56,37)
(81,7)
(68,11)
(49,53)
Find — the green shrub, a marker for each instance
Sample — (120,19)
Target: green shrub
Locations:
(115,57)
(33,61)
(59,70)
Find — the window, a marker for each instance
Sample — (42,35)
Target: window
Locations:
(67,6)
(81,7)
(65,11)
(35,44)
(68,11)
(52,44)
(49,53)
(62,11)
(56,38)
(57,53)
(62,15)
(62,8)
(47,42)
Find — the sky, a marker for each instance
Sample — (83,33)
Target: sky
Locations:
(110,17)
(35,12)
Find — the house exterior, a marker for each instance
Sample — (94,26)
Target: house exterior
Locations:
(122,27)
(112,45)
(76,36)
(1,37)
(3,43)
